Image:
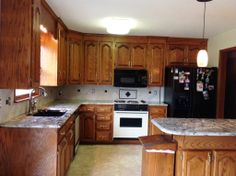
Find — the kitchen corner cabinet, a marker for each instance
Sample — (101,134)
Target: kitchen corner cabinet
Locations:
(184,51)
(155,64)
(20,44)
(130,55)
(53,49)
(96,123)
(98,59)
(156,112)
(75,58)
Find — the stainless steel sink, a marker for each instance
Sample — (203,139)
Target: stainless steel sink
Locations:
(49,112)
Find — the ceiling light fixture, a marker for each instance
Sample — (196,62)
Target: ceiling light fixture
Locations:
(120,26)
(202,56)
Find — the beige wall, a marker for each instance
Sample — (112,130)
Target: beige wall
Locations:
(219,42)
(9,111)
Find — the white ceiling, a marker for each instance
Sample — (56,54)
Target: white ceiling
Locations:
(179,18)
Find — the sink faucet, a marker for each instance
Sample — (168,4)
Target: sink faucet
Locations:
(32,101)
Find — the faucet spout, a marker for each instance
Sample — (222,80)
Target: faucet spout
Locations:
(32,102)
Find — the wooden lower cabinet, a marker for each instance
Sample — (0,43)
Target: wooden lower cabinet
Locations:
(224,163)
(96,123)
(61,158)
(156,112)
(196,163)
(87,127)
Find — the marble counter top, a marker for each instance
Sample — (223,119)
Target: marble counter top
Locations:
(196,127)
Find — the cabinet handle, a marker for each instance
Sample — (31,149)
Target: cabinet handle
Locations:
(63,133)
(209,157)
(130,63)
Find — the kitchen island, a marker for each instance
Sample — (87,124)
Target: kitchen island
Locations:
(204,147)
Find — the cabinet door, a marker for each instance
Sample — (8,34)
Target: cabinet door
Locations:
(87,127)
(70,147)
(192,54)
(62,62)
(76,64)
(224,163)
(105,63)
(176,54)
(91,61)
(61,160)
(35,59)
(138,56)
(156,112)
(155,63)
(123,55)
(195,163)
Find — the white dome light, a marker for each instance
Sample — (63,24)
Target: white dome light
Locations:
(202,58)
(119,26)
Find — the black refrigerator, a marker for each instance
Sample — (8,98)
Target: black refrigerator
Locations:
(190,92)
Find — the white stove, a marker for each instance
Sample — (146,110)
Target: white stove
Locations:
(130,119)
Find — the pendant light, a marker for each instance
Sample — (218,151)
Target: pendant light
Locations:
(202,56)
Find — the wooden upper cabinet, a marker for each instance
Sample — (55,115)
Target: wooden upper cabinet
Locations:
(91,62)
(183,51)
(106,63)
(176,54)
(75,65)
(62,59)
(123,55)
(20,44)
(155,64)
(130,55)
(195,163)
(224,163)
(192,53)
(138,56)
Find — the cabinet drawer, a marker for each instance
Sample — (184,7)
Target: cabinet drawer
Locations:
(156,110)
(61,133)
(103,126)
(104,108)
(69,123)
(103,136)
(104,117)
(86,108)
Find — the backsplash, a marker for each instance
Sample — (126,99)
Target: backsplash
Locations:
(15,109)
(110,93)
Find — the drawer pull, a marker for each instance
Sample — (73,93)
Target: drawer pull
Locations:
(63,133)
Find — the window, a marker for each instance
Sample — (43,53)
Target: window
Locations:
(23,94)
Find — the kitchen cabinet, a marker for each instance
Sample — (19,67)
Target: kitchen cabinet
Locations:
(156,112)
(155,64)
(155,158)
(183,51)
(130,55)
(104,123)
(98,62)
(196,163)
(65,148)
(96,123)
(62,59)
(20,44)
(53,49)
(75,58)
(207,163)
(224,163)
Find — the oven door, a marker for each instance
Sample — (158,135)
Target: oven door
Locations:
(128,124)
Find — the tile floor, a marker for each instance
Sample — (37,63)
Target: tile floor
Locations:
(107,160)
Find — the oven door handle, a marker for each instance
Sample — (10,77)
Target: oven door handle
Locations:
(130,112)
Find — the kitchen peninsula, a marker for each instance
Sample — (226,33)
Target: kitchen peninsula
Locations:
(204,146)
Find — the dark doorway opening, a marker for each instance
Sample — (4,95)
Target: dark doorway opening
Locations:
(226,104)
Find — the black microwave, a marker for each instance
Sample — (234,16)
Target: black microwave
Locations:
(130,78)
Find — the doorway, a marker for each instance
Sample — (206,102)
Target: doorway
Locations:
(226,102)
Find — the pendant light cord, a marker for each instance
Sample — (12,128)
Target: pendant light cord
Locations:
(204,21)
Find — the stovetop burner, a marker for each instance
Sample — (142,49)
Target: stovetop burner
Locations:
(130,102)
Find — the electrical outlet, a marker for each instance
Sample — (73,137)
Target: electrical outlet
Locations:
(155,92)
(0,102)
(8,101)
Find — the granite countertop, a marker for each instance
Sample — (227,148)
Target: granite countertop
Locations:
(196,127)
(70,106)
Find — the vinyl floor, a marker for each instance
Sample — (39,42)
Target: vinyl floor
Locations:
(107,160)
